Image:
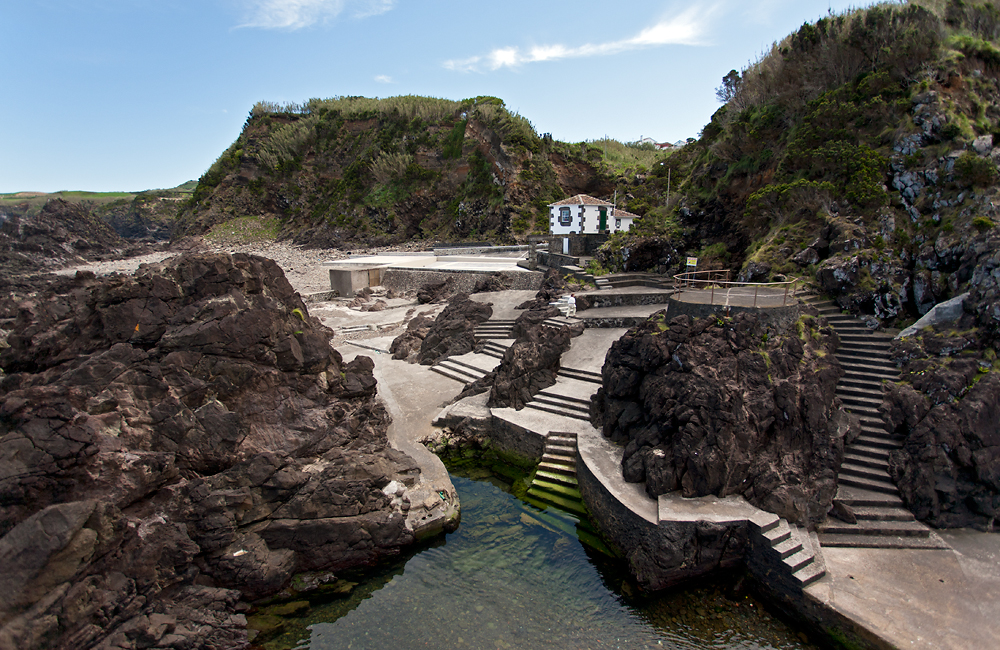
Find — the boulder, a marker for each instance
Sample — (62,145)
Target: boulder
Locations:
(727,406)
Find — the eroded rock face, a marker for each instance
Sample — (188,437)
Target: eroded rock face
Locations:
(61,233)
(947,406)
(174,441)
(720,406)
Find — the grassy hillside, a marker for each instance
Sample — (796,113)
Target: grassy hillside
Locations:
(857,153)
(353,170)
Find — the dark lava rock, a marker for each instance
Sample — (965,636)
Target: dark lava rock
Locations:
(529,366)
(61,233)
(174,441)
(453,331)
(435,291)
(552,287)
(946,406)
(728,406)
(406,346)
(494,282)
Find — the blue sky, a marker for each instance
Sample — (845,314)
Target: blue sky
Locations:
(128,95)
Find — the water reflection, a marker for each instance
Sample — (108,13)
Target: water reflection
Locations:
(512,577)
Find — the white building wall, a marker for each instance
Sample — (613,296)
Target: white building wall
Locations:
(584,220)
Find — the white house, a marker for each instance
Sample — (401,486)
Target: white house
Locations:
(585,215)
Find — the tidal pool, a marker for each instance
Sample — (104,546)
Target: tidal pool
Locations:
(513,576)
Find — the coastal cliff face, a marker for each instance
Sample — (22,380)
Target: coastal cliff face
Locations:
(175,442)
(728,406)
(947,406)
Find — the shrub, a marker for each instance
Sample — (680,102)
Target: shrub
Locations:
(970,169)
(982,224)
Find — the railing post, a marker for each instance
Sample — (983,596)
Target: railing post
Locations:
(755,287)
(784,301)
(712,299)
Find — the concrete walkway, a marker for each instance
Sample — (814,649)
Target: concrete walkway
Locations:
(413,395)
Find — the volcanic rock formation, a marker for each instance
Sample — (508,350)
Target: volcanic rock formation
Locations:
(175,441)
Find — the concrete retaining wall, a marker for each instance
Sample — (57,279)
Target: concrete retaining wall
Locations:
(517,440)
(410,279)
(779,317)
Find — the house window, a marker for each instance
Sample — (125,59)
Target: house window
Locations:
(565,218)
(618,224)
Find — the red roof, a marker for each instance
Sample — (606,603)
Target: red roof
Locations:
(582,199)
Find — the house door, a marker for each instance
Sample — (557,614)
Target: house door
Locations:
(602,221)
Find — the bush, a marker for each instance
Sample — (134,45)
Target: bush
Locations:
(970,169)
(982,224)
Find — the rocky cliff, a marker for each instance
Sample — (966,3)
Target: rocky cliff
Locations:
(175,442)
(947,406)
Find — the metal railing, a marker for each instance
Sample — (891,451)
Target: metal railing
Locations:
(718,280)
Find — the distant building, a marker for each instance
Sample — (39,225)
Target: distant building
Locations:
(585,215)
(662,146)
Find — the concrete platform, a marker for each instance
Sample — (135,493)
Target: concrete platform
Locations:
(587,351)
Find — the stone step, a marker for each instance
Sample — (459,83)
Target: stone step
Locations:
(870,384)
(882,513)
(873,527)
(561,450)
(788,547)
(557,468)
(880,440)
(862,471)
(557,477)
(547,408)
(886,487)
(881,464)
(867,451)
(564,403)
(450,373)
(799,559)
(857,401)
(558,459)
(856,358)
(582,375)
(869,415)
(473,362)
(932,542)
(863,342)
(809,574)
(863,393)
(552,394)
(779,533)
(857,497)
(560,502)
(561,438)
(557,488)
(879,375)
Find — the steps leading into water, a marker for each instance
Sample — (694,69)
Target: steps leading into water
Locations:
(554,487)
(868,511)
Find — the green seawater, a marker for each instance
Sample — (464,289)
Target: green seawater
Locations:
(513,576)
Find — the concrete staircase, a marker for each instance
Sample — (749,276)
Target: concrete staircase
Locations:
(559,321)
(868,508)
(554,489)
(466,368)
(793,550)
(494,329)
(496,348)
(569,396)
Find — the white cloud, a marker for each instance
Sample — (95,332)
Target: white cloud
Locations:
(296,14)
(383,79)
(686,28)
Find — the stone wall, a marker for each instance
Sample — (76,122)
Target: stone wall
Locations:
(465,281)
